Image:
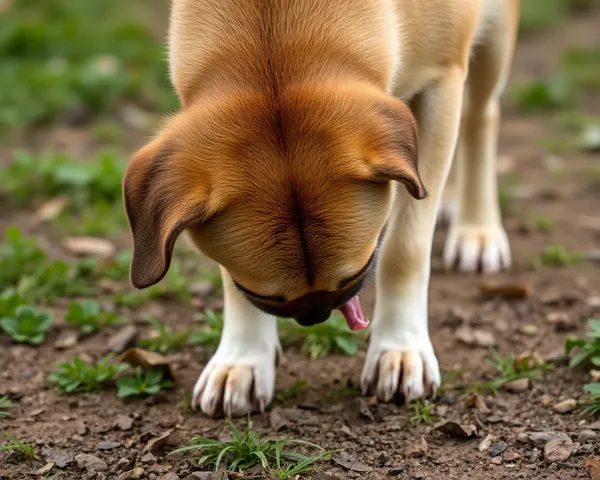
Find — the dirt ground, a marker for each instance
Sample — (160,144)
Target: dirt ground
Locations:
(379,437)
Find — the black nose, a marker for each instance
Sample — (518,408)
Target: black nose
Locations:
(312,317)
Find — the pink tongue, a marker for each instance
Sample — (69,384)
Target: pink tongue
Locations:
(353,314)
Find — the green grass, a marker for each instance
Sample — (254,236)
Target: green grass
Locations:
(538,15)
(588,348)
(544,224)
(209,335)
(422,412)
(298,388)
(5,405)
(247,449)
(510,368)
(88,316)
(322,339)
(69,58)
(591,405)
(557,256)
(15,445)
(143,384)
(163,339)
(78,376)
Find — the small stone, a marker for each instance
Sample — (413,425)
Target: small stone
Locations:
(485,443)
(148,458)
(108,445)
(558,450)
(540,439)
(132,474)
(91,463)
(61,458)
(566,406)
(453,429)
(498,448)
(496,461)
(89,246)
(534,456)
(418,449)
(169,476)
(561,321)
(547,400)
(124,422)
(207,476)
(529,330)
(66,339)
(511,456)
(586,436)
(517,386)
(45,469)
(347,461)
(123,464)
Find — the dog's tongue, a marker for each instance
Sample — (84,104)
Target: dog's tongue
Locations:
(353,314)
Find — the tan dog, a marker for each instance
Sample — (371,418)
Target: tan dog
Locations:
(283,167)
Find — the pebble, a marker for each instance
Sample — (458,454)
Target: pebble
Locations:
(132,474)
(530,330)
(547,400)
(558,450)
(511,456)
(418,449)
(122,464)
(90,462)
(498,448)
(496,461)
(586,436)
(148,458)
(539,439)
(124,422)
(517,386)
(485,443)
(566,406)
(108,445)
(169,476)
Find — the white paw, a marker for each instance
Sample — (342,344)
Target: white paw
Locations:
(406,366)
(474,248)
(235,384)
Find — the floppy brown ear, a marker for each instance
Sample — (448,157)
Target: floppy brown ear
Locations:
(395,148)
(160,204)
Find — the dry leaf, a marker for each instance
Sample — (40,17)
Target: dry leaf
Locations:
(477,401)
(558,450)
(453,429)
(122,339)
(506,290)
(147,360)
(592,464)
(486,443)
(155,444)
(51,209)
(347,461)
(89,246)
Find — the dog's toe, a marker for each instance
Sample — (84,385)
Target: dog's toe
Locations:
(477,248)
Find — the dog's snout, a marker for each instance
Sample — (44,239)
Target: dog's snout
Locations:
(313,317)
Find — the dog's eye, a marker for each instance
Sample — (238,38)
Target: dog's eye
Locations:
(264,298)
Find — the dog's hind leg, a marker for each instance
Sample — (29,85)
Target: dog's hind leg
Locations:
(476,239)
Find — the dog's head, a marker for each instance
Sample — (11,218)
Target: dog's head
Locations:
(289,193)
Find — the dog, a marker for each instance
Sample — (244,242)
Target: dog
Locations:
(312,147)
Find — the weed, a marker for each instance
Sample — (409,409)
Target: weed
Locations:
(19,256)
(592,403)
(15,445)
(588,349)
(512,368)
(422,412)
(5,404)
(541,95)
(543,224)
(163,339)
(298,388)
(142,384)
(9,301)
(119,270)
(557,256)
(77,376)
(88,316)
(209,335)
(319,340)
(247,449)
(27,325)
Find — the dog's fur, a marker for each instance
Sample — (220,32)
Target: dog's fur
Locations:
(284,164)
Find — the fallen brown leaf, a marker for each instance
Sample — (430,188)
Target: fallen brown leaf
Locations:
(511,291)
(51,209)
(592,464)
(558,450)
(347,461)
(89,246)
(147,360)
(456,430)
(155,444)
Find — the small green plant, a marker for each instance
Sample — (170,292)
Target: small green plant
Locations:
(164,340)
(209,335)
(247,449)
(19,256)
(319,340)
(422,412)
(88,316)
(298,388)
(592,403)
(149,383)
(119,270)
(540,95)
(9,301)
(511,368)
(588,349)
(15,445)
(78,376)
(5,405)
(543,224)
(28,325)
(557,256)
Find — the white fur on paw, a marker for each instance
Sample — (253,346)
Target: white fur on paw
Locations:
(235,385)
(408,368)
(448,211)
(474,248)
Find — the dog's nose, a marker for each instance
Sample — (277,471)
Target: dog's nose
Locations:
(313,317)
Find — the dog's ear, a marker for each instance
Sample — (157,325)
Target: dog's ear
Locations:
(160,201)
(394,147)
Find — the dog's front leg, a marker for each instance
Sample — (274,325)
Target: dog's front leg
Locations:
(240,377)
(400,360)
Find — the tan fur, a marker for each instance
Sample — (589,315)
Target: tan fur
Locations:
(283,160)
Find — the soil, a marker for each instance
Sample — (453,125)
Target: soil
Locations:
(331,413)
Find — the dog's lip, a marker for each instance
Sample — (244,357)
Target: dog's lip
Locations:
(353,314)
